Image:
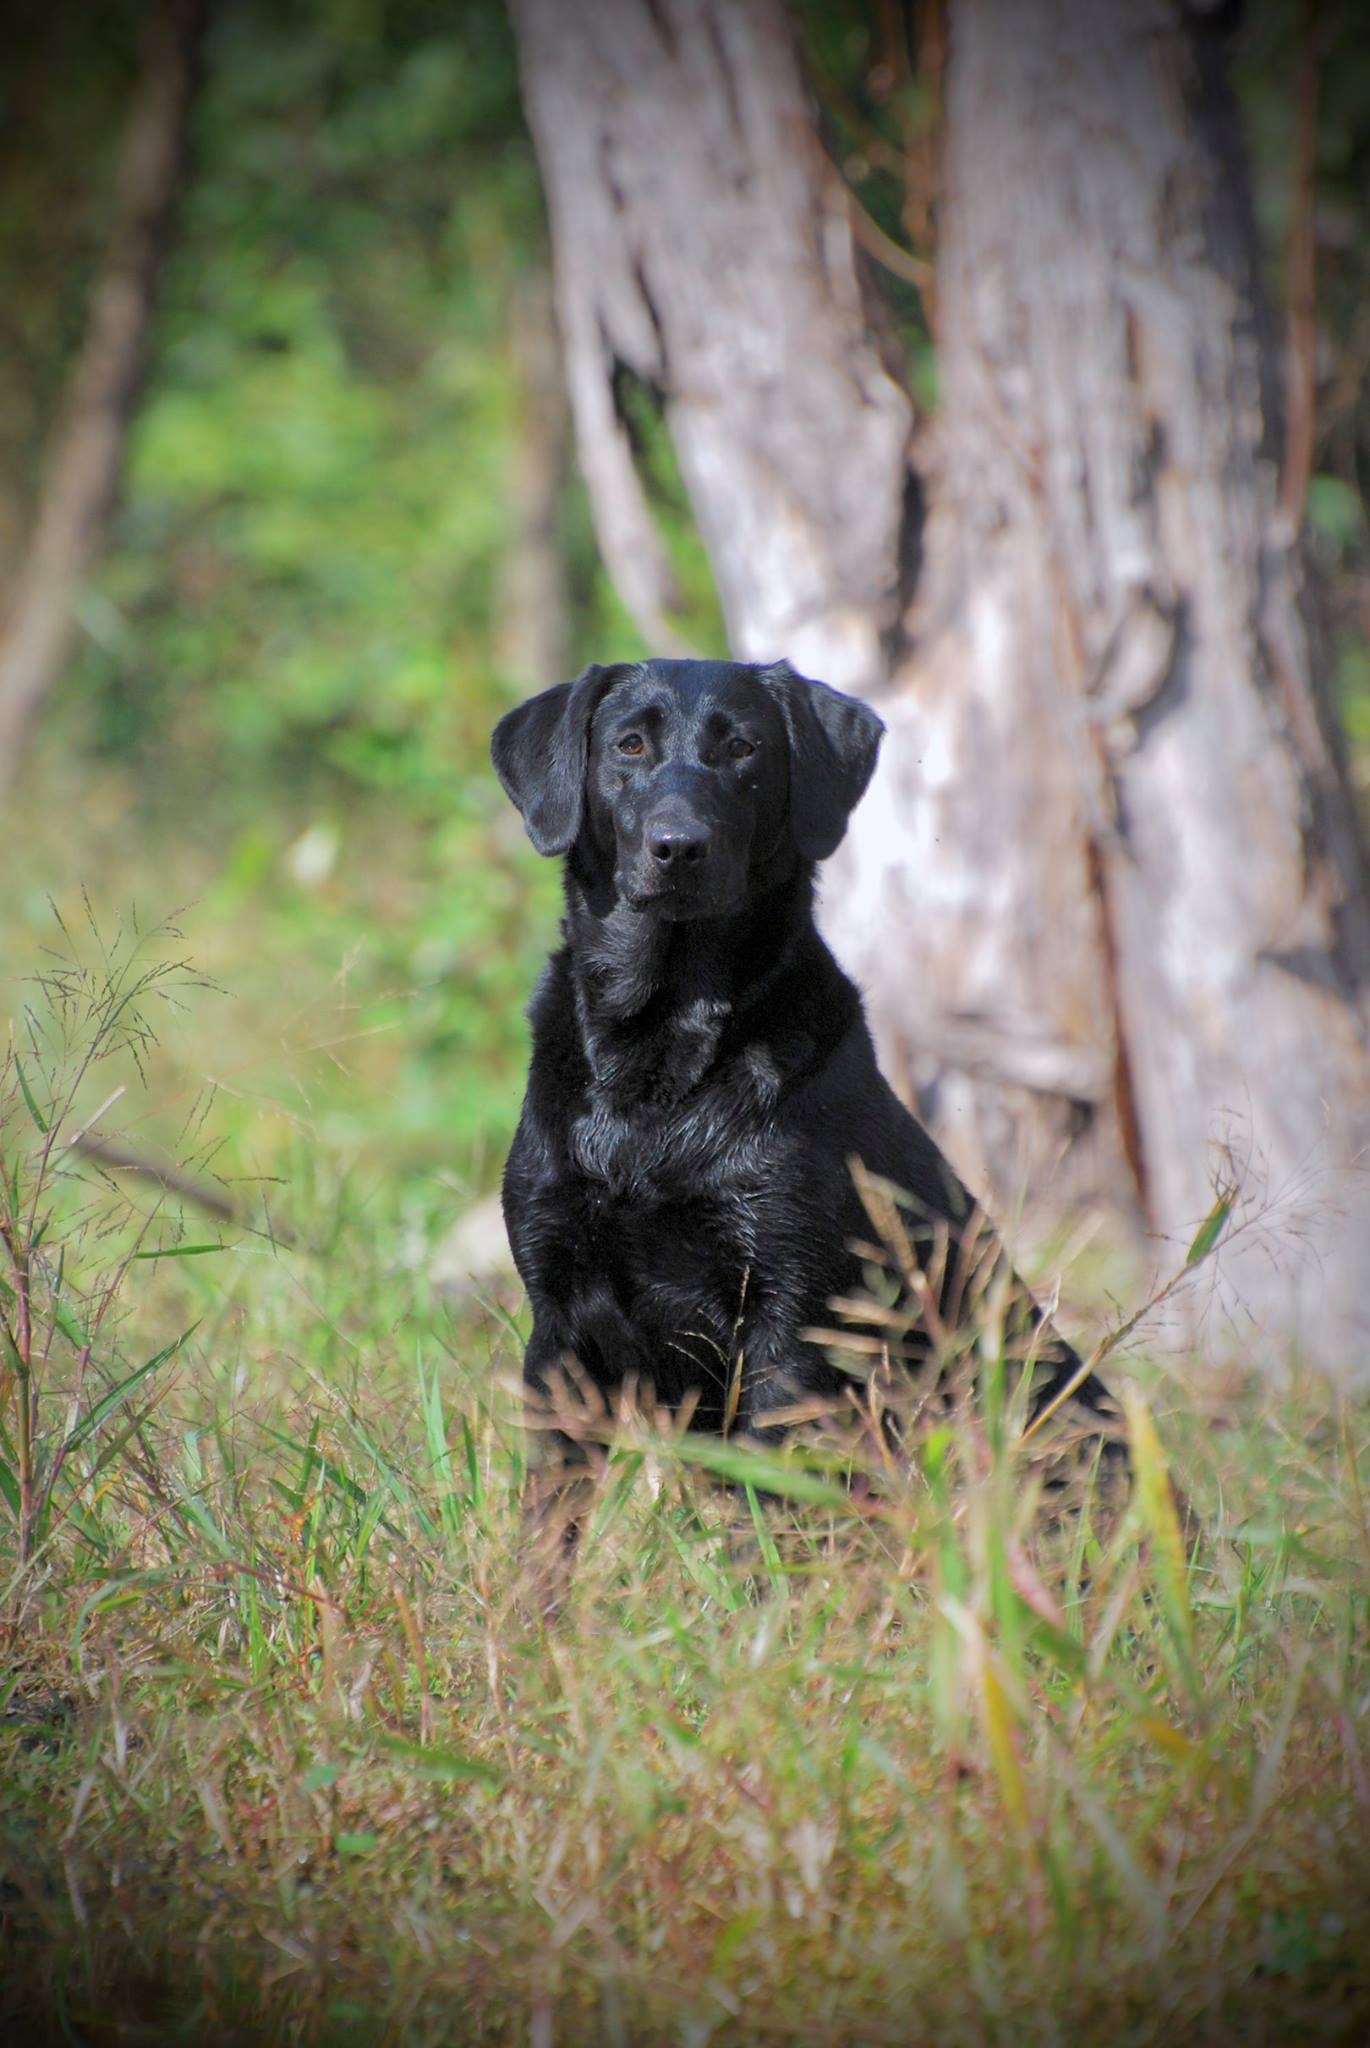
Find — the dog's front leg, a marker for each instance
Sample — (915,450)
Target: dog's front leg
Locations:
(557,1493)
(764,1386)
(561,1410)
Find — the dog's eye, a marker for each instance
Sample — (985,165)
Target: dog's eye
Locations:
(630,744)
(740,749)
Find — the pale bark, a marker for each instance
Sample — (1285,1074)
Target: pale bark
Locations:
(1112,662)
(704,244)
(1108,893)
(81,472)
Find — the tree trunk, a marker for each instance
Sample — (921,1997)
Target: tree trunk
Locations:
(1108,894)
(83,463)
(703,244)
(535,610)
(1111,660)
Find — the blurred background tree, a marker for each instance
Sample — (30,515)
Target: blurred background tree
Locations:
(82,463)
(350,530)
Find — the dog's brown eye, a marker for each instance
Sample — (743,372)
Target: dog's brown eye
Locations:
(631,743)
(740,748)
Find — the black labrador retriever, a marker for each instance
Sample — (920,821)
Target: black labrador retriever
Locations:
(680,1195)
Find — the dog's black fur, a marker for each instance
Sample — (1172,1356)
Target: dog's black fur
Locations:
(679,1196)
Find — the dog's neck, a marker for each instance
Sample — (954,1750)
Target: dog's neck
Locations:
(660,994)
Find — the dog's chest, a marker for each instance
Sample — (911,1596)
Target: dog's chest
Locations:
(666,1147)
(671,1223)
(701,1144)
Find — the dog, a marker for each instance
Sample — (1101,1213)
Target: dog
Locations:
(680,1195)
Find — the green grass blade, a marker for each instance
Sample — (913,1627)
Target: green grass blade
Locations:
(183,1251)
(1211,1229)
(117,1396)
(743,1464)
(34,1111)
(443,1766)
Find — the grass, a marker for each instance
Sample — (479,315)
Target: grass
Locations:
(283,1757)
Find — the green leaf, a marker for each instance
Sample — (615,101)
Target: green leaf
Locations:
(732,1938)
(360,1844)
(472,1462)
(34,1111)
(446,1766)
(118,1592)
(183,1251)
(1211,1229)
(12,1352)
(742,1465)
(195,1511)
(1068,1654)
(71,1326)
(316,1460)
(117,1396)
(1334,507)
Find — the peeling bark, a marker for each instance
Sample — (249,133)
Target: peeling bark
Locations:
(83,463)
(703,242)
(1111,799)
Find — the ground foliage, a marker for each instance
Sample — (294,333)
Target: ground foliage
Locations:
(286,1756)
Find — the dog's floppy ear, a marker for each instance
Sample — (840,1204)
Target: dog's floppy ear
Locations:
(833,744)
(540,750)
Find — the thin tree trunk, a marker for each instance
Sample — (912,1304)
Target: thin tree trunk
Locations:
(535,621)
(1108,892)
(86,454)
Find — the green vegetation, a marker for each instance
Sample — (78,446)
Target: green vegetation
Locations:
(277,724)
(285,1759)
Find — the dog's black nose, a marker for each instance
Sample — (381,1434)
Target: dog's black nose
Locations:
(678,843)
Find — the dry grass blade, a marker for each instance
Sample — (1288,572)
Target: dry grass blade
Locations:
(1155,1508)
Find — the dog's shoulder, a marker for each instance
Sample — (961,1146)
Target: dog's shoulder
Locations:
(558,1071)
(551,1007)
(810,1016)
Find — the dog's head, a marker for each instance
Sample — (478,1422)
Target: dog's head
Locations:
(687,777)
